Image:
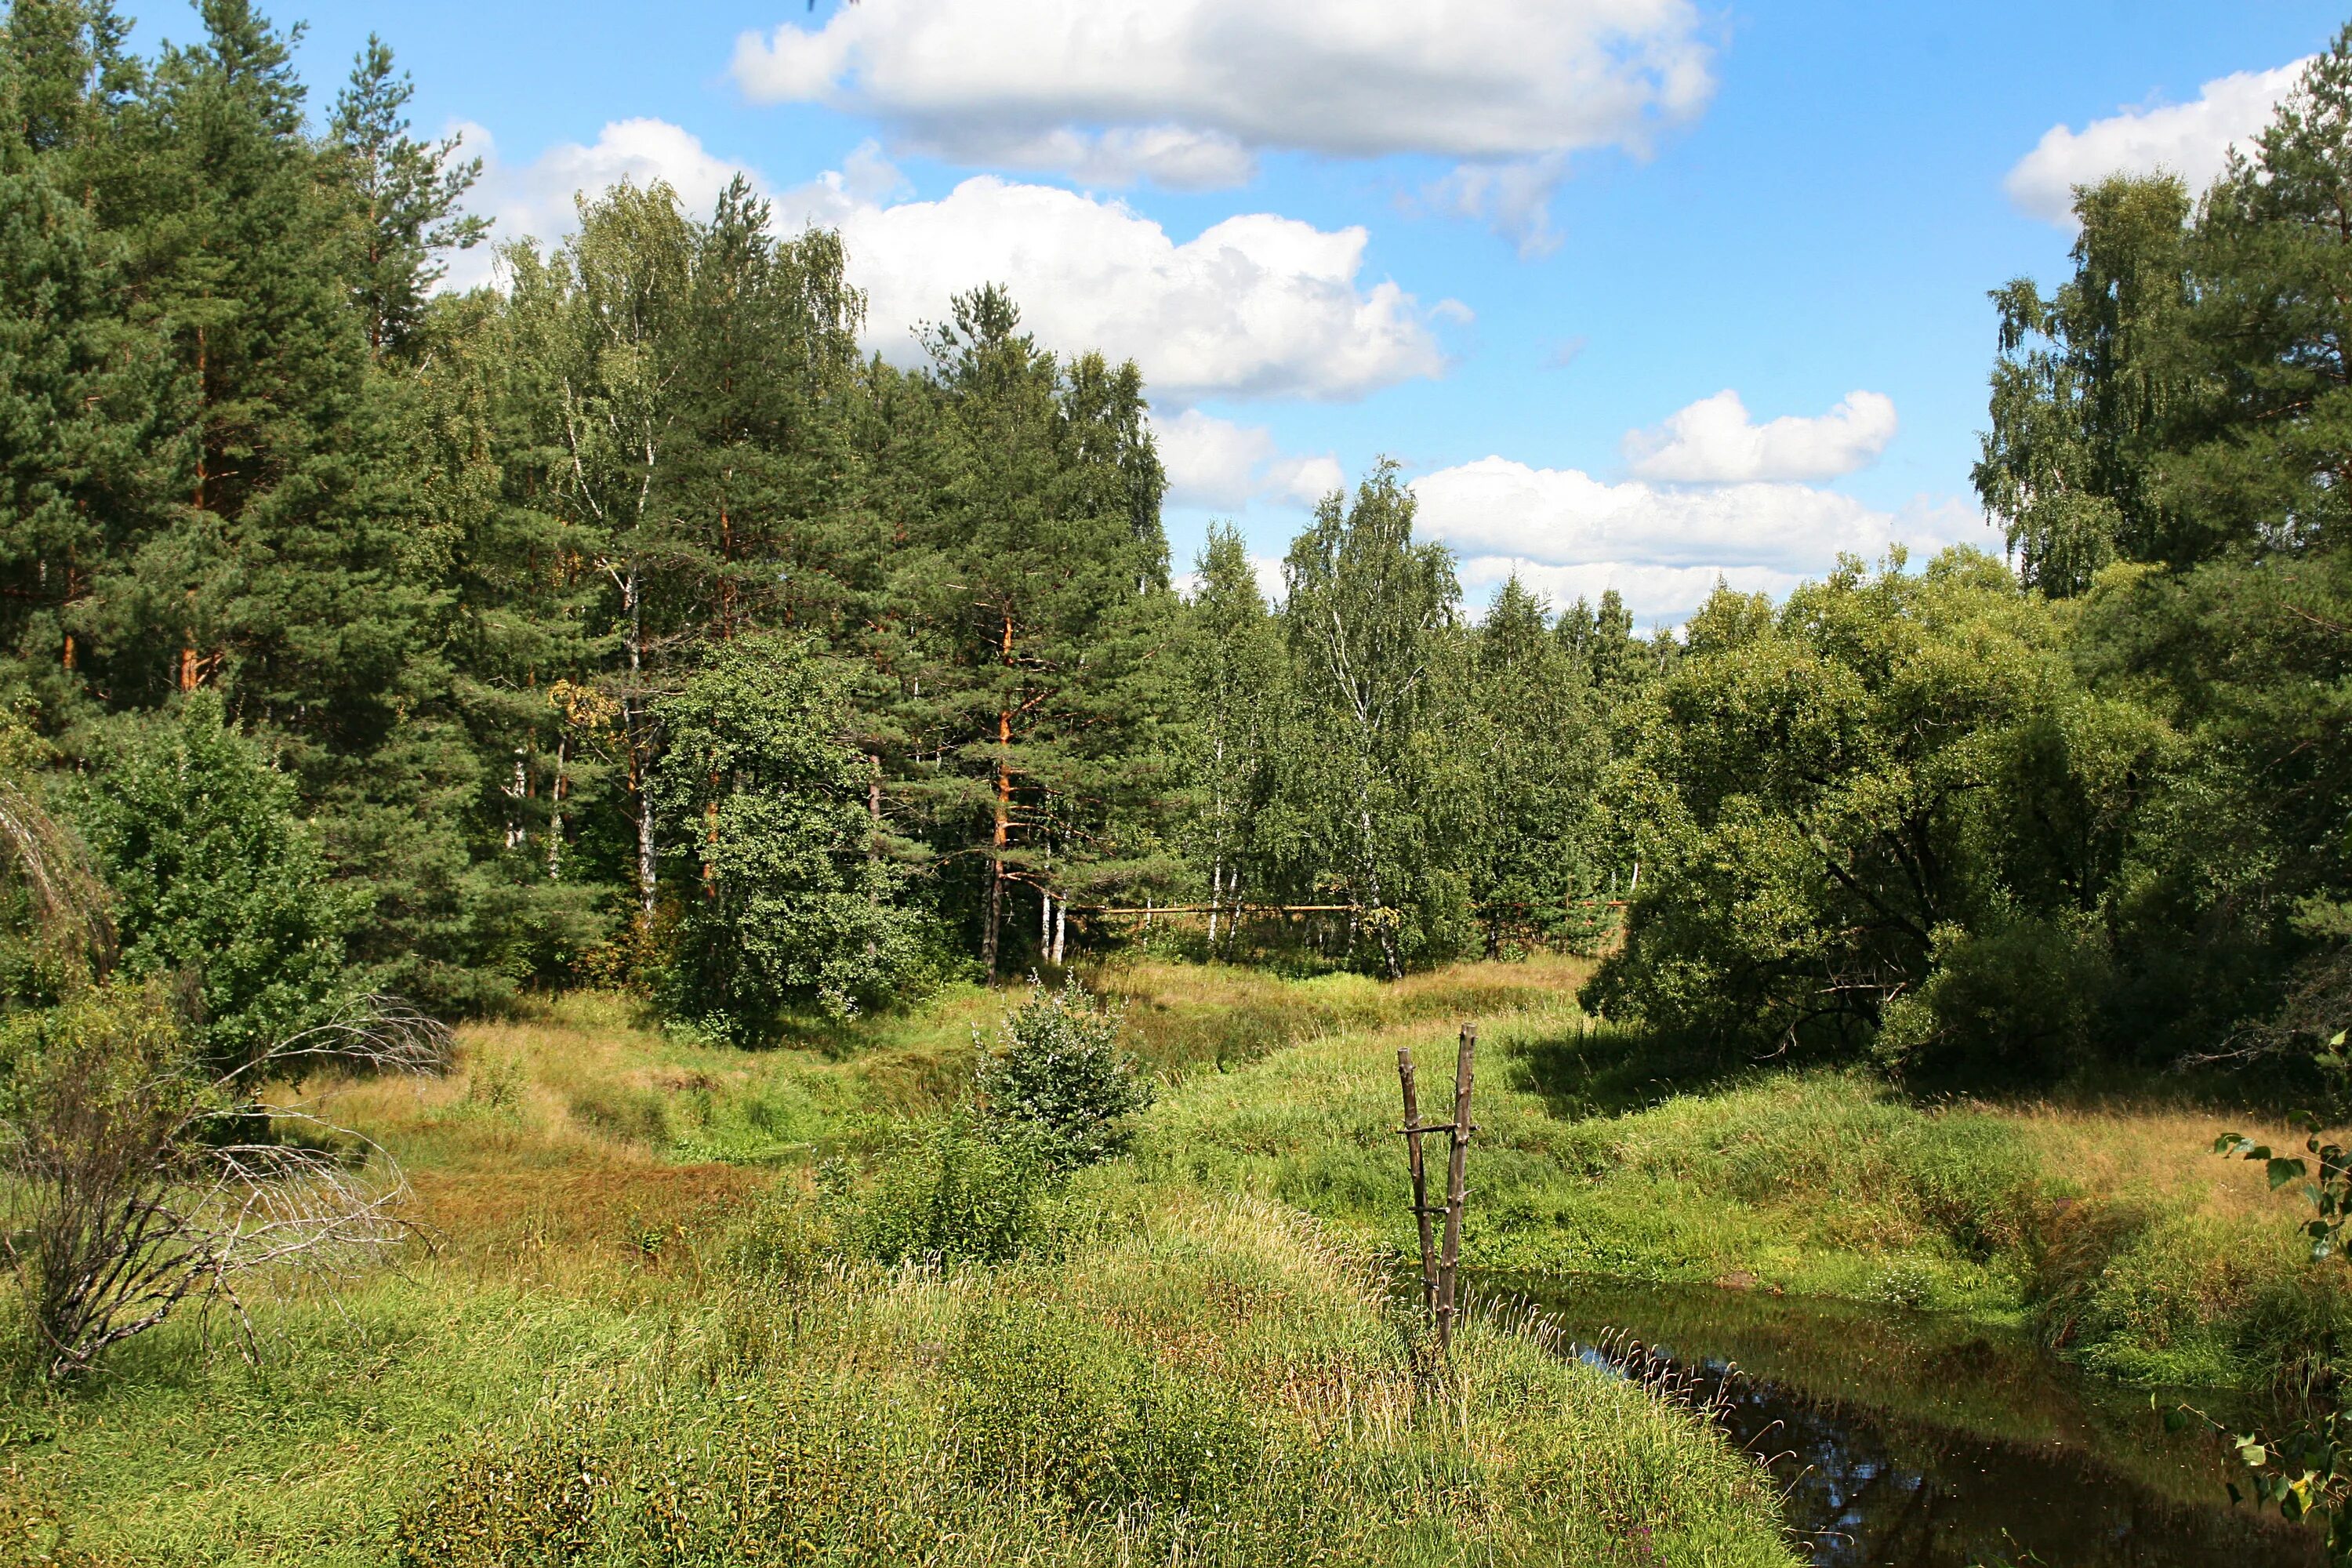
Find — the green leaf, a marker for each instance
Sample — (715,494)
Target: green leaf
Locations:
(2285,1171)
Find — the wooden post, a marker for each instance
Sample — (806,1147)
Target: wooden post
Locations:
(1421,1211)
(1456,1168)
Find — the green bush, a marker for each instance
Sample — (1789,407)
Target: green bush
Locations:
(1059,1081)
(2017,1001)
(215,875)
(955,1193)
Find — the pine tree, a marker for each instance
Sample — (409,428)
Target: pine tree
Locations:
(405,198)
(1035,594)
(85,398)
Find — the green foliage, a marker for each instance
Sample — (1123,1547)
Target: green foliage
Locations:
(1059,1080)
(2307,1473)
(214,877)
(1370,617)
(955,1193)
(405,198)
(799,901)
(1046,1404)
(1870,806)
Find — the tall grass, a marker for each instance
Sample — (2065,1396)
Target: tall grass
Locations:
(617,1352)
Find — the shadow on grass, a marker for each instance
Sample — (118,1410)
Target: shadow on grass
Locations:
(1593,1067)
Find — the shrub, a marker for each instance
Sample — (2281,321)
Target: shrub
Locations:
(215,876)
(1060,1080)
(955,1193)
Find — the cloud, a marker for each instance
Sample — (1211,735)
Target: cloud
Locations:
(1713,442)
(2191,140)
(534,200)
(1512,198)
(1661,546)
(1256,306)
(1188,92)
(1566,353)
(1305,480)
(1217,464)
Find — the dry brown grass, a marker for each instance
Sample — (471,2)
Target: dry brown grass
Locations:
(2163,1155)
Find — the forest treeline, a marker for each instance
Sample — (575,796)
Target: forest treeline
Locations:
(627,622)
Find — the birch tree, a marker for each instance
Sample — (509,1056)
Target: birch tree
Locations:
(1234,687)
(1364,612)
(613,305)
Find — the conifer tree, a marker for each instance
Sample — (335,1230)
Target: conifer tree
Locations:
(1033,599)
(404,195)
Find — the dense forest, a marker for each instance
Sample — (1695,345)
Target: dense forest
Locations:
(625,624)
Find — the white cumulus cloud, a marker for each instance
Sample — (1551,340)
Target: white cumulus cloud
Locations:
(1217,463)
(2190,140)
(1256,306)
(1661,546)
(534,200)
(1187,91)
(1712,441)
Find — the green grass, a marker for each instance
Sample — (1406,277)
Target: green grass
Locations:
(623,1351)
(2107,1229)
(646,1328)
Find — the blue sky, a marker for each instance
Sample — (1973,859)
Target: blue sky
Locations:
(1793,202)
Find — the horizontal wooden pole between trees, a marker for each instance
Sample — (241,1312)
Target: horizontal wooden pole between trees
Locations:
(1302,908)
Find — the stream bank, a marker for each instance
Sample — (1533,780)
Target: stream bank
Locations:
(1917,1440)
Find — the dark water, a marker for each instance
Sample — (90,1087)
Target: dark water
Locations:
(1909,1441)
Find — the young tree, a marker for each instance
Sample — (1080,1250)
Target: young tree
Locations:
(215,877)
(793,896)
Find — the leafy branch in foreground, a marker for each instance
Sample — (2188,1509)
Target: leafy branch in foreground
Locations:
(2307,1474)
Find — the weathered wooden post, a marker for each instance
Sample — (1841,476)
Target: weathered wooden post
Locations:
(1438,1269)
(1456,1168)
(1421,1210)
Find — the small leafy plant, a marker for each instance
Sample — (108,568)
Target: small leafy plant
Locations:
(945,1195)
(1059,1079)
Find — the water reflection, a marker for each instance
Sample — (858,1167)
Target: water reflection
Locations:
(1910,1441)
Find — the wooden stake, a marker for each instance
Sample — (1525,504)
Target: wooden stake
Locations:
(1413,1131)
(1456,1168)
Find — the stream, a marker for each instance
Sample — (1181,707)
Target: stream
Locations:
(1907,1440)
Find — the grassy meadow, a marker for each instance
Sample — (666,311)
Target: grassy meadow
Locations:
(646,1320)
(637,1327)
